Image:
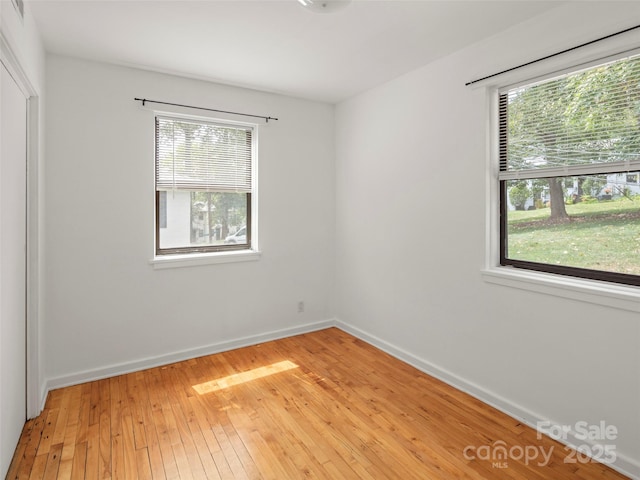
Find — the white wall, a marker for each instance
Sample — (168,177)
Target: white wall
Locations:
(106,305)
(411,245)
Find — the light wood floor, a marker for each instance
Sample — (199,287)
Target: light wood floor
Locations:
(320,405)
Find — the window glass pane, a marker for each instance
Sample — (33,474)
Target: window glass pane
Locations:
(596,227)
(162,209)
(203,219)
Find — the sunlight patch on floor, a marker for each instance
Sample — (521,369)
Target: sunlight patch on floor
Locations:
(239,378)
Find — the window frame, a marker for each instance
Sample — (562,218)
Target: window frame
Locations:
(207,254)
(569,282)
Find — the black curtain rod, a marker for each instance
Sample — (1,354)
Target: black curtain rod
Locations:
(552,55)
(145,100)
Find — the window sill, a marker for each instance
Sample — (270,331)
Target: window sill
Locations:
(600,293)
(194,260)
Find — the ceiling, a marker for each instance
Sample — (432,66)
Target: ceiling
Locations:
(275,45)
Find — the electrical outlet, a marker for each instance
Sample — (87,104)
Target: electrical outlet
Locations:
(300,306)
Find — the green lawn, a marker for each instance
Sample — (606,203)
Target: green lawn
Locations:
(600,236)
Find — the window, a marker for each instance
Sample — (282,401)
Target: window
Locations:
(204,186)
(569,152)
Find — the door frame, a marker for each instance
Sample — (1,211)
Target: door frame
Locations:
(34,393)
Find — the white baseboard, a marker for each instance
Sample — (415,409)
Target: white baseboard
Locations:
(151,362)
(623,464)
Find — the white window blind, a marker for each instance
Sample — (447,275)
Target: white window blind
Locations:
(201,156)
(585,122)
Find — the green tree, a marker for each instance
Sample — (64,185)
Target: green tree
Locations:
(220,208)
(593,185)
(531,112)
(519,194)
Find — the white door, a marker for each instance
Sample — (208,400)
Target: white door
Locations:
(13,199)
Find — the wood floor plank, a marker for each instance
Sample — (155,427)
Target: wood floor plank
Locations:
(95,398)
(53,462)
(189,420)
(39,466)
(117,456)
(154,453)
(25,454)
(164,443)
(70,433)
(143,464)
(79,461)
(21,451)
(92,462)
(322,405)
(49,428)
(62,422)
(104,446)
(134,384)
(84,415)
(129,454)
(214,448)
